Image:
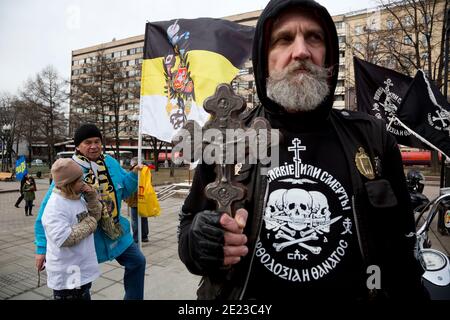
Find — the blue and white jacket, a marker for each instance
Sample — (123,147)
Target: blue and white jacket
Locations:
(125,183)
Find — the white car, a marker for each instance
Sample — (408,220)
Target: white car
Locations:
(37,162)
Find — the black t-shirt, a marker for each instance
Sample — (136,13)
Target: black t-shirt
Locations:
(308,243)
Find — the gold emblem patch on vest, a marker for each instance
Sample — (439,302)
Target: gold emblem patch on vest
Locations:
(364,164)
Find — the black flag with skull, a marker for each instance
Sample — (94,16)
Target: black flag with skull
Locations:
(380,92)
(426,112)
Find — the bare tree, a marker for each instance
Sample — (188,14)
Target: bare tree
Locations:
(47,94)
(157,146)
(364,43)
(7,129)
(416,36)
(103,93)
(27,125)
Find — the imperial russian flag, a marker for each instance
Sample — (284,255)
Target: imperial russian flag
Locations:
(184,61)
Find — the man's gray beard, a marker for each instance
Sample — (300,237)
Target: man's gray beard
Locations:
(297,92)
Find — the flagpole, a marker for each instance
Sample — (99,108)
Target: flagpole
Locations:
(138,217)
(420,137)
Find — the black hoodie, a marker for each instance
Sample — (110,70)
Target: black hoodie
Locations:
(260,51)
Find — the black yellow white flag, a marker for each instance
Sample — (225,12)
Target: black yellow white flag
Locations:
(184,61)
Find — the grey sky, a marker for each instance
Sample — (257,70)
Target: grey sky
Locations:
(34,34)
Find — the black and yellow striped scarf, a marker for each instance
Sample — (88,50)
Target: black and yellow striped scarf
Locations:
(96,174)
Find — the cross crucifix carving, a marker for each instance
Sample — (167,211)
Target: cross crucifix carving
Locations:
(225,108)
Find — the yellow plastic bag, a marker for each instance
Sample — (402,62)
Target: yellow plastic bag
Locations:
(148,205)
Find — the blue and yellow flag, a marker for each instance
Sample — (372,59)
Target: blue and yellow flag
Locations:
(184,61)
(21,168)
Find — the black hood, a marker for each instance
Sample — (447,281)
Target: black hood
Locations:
(260,68)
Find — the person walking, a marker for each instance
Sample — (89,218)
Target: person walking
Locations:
(28,190)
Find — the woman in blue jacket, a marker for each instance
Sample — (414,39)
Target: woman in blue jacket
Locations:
(113,239)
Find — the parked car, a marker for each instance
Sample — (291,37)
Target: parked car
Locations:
(37,162)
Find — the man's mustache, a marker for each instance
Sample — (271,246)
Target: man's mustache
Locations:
(306,66)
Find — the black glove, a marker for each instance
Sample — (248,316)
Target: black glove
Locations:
(206,240)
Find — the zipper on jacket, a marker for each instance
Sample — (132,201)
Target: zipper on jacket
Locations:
(358,232)
(244,288)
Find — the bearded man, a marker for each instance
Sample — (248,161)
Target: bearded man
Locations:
(333,219)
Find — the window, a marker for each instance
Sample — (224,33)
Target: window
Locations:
(243,71)
(339,97)
(340,83)
(390,24)
(123,53)
(124,63)
(131,62)
(358,46)
(424,41)
(358,30)
(373,45)
(341,54)
(390,42)
(108,55)
(407,40)
(407,21)
(339,25)
(140,49)
(132,51)
(341,39)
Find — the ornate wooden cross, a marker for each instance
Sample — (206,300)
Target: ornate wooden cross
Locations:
(225,108)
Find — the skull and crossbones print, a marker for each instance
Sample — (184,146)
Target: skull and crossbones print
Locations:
(293,212)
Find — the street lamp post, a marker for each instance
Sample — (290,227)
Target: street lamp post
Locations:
(5,146)
(7,141)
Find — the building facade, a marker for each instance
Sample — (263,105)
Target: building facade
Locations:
(370,34)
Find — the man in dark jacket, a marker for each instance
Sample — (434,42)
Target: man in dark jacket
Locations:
(333,219)
(22,182)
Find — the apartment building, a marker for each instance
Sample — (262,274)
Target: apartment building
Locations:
(360,33)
